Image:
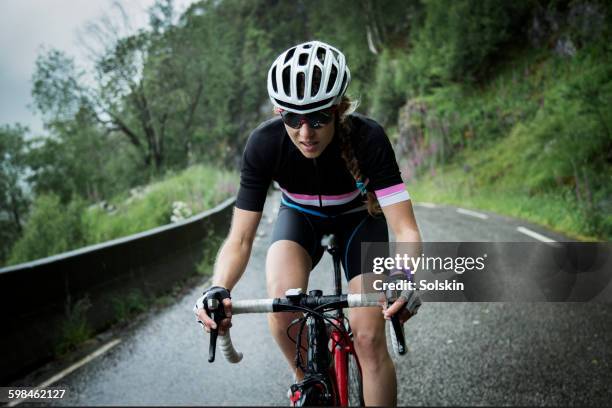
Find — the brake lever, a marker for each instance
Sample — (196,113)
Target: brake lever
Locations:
(215,310)
(398,328)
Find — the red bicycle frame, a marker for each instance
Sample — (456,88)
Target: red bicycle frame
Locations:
(341,347)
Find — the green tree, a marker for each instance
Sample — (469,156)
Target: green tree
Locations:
(14,200)
(135,93)
(461,40)
(80,158)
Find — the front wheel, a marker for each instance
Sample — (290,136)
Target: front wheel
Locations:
(355,383)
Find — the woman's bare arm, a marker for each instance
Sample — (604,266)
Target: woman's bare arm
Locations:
(234,254)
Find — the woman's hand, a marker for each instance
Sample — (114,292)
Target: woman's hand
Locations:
(397,307)
(222,295)
(407,305)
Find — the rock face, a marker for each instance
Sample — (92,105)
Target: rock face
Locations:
(411,148)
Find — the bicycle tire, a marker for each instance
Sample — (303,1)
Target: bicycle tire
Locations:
(355,382)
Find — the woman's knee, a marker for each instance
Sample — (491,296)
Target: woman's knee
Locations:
(372,351)
(369,339)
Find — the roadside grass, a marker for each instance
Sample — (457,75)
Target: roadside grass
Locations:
(199,187)
(125,307)
(74,329)
(556,212)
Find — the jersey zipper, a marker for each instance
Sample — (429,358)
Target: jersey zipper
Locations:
(314,161)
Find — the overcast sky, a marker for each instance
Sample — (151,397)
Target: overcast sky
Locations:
(26,25)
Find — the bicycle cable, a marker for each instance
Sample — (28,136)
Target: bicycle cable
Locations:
(302,321)
(319,315)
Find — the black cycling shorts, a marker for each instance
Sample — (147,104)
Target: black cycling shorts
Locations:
(350,230)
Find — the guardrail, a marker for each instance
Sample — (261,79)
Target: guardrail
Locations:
(36,297)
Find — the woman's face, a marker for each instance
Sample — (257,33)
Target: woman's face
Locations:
(311,142)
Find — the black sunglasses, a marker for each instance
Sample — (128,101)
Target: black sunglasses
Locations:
(315,120)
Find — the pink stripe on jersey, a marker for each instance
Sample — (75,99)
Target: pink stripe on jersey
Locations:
(384,192)
(323,197)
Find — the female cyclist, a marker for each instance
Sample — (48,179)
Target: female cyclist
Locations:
(338,174)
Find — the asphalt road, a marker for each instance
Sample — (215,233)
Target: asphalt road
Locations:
(460,353)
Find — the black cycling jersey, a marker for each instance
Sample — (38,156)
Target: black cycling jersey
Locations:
(322,186)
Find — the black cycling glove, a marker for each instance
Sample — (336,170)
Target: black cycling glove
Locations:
(214,292)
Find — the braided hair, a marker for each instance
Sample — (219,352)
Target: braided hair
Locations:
(349,142)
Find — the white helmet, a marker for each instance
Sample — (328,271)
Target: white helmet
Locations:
(308,77)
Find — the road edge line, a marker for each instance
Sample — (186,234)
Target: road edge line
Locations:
(72,368)
(535,235)
(472,213)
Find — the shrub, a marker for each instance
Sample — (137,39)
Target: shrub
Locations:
(129,305)
(52,228)
(75,328)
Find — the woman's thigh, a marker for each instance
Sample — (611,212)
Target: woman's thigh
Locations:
(304,230)
(287,266)
(356,231)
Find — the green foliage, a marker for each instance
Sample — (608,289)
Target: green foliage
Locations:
(540,131)
(14,199)
(200,187)
(74,329)
(387,93)
(360,29)
(129,305)
(52,227)
(104,171)
(559,212)
(56,87)
(460,40)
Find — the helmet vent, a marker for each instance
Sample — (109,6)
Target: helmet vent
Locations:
(303,59)
(289,54)
(273,77)
(321,55)
(317,74)
(300,85)
(332,79)
(287,79)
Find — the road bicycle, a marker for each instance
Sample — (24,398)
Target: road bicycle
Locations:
(332,374)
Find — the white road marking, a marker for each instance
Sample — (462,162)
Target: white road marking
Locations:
(472,213)
(425,204)
(72,368)
(535,235)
